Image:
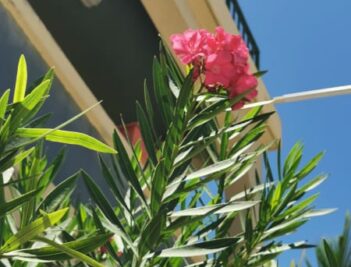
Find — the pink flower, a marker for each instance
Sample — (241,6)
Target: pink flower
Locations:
(241,85)
(190,45)
(222,59)
(219,69)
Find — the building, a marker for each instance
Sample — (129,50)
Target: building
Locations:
(103,49)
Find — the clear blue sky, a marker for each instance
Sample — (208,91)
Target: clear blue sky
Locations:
(307,45)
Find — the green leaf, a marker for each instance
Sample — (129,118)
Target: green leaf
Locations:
(195,147)
(14,158)
(316,213)
(310,165)
(162,92)
(21,80)
(260,73)
(101,228)
(311,184)
(293,159)
(100,200)
(151,233)
(159,183)
(213,110)
(173,69)
(185,93)
(219,209)
(51,253)
(330,254)
(127,168)
(59,194)
(71,252)
(298,207)
(33,229)
(113,185)
(251,191)
(283,247)
(207,171)
(66,137)
(198,249)
(31,141)
(114,229)
(25,109)
(276,195)
(285,227)
(146,132)
(17,202)
(148,104)
(3,103)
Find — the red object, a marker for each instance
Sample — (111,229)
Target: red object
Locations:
(134,135)
(103,250)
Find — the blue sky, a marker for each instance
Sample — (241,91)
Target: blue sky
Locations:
(307,45)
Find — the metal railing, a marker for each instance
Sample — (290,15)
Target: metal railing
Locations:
(244,29)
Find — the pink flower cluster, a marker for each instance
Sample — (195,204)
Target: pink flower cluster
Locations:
(222,59)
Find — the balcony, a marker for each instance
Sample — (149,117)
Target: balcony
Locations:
(244,29)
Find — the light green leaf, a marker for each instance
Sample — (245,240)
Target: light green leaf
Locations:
(316,213)
(251,191)
(27,107)
(3,103)
(33,229)
(21,80)
(310,165)
(66,137)
(209,170)
(276,195)
(226,208)
(71,252)
(14,158)
(198,249)
(50,253)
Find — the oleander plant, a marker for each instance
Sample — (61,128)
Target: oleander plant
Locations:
(172,209)
(33,212)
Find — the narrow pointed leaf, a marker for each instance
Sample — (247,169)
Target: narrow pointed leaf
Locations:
(32,230)
(50,253)
(146,132)
(198,249)
(13,159)
(3,103)
(226,208)
(71,252)
(60,193)
(101,200)
(17,202)
(111,182)
(66,137)
(127,167)
(21,80)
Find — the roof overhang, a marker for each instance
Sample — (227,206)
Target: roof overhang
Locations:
(174,16)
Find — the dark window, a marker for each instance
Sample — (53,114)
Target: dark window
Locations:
(13,43)
(111,45)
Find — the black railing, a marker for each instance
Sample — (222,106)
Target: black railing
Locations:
(243,27)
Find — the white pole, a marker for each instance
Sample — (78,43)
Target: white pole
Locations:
(294,97)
